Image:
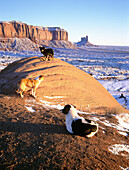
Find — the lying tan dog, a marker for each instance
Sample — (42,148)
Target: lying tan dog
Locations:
(30,83)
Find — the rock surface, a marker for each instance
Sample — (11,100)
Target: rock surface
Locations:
(61,79)
(21,30)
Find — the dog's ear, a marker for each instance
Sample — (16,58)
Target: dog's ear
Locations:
(89,121)
(40,76)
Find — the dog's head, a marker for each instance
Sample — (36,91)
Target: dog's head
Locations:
(68,108)
(42,49)
(41,77)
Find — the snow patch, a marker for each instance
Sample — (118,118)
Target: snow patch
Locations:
(43,103)
(51,105)
(124,168)
(117,148)
(54,97)
(123,119)
(123,133)
(123,123)
(30,109)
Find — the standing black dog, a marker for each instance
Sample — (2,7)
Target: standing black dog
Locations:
(48,53)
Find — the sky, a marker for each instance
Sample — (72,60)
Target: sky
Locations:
(106,22)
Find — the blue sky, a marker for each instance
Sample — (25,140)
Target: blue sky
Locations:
(106,22)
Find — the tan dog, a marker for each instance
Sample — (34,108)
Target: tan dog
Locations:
(30,83)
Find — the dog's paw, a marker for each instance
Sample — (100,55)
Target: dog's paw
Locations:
(22,96)
(34,96)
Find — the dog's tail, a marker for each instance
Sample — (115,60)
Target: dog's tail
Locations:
(18,87)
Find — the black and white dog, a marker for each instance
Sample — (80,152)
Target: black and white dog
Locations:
(78,125)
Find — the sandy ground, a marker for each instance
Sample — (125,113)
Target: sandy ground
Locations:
(39,140)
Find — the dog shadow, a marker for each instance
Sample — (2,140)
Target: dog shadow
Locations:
(9,86)
(21,127)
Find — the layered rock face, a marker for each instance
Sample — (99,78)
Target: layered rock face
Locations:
(21,30)
(58,34)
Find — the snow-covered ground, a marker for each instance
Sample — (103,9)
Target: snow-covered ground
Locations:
(108,64)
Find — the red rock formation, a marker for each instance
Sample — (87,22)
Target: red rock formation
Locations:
(21,30)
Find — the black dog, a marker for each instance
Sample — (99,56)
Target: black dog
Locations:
(48,53)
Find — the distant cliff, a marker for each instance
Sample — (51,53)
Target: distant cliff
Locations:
(84,42)
(21,30)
